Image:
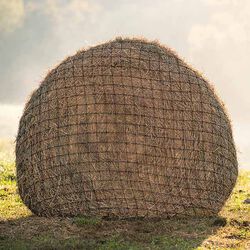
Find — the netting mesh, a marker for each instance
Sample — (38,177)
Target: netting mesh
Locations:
(125,129)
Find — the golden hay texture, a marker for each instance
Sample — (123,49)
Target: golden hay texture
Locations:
(125,129)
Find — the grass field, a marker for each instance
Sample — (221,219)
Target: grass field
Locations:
(19,229)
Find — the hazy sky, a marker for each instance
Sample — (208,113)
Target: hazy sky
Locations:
(211,35)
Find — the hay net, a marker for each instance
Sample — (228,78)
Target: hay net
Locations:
(125,129)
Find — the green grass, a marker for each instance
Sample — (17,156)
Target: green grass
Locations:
(19,229)
(83,221)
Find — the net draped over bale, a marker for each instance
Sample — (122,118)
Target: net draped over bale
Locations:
(125,129)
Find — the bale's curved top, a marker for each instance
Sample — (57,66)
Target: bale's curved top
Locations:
(125,129)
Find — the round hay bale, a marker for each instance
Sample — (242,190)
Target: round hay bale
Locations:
(125,129)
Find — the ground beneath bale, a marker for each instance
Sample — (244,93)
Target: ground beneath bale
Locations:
(19,229)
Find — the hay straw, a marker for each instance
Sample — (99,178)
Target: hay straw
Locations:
(125,129)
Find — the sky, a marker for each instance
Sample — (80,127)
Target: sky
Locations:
(211,35)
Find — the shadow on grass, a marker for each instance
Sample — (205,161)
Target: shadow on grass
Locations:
(93,233)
